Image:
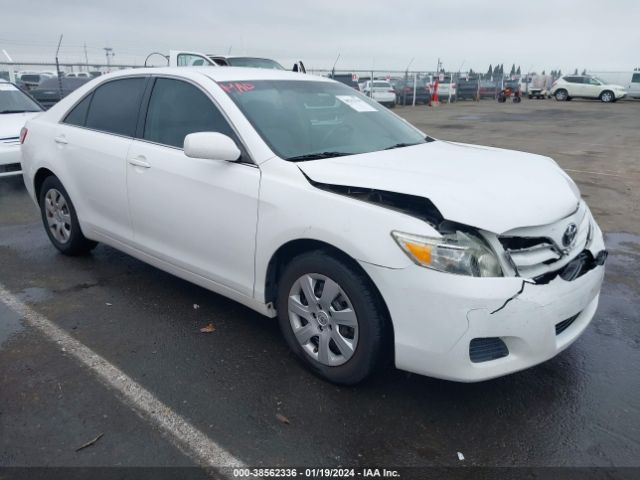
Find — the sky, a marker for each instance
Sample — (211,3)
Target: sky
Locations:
(367,34)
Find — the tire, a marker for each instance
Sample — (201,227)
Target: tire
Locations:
(561,95)
(60,220)
(359,332)
(516,99)
(607,96)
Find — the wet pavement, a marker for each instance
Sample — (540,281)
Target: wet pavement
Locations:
(581,408)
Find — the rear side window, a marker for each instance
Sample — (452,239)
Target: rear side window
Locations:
(176,109)
(635,78)
(115,105)
(78,115)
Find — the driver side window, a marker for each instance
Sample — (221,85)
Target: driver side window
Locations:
(176,109)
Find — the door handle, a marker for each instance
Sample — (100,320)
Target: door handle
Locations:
(139,161)
(61,139)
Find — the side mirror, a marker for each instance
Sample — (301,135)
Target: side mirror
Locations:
(211,146)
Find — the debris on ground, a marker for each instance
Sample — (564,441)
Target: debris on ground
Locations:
(208,329)
(282,418)
(108,304)
(196,306)
(89,443)
(460,456)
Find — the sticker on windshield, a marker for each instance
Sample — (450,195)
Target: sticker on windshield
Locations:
(356,103)
(7,87)
(237,87)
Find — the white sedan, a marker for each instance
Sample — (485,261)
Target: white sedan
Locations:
(303,199)
(16,107)
(381,91)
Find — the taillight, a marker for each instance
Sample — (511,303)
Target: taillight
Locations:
(392,91)
(23,134)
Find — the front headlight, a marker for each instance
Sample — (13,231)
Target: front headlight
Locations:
(458,252)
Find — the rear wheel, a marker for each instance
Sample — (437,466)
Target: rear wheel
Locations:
(561,95)
(60,219)
(331,317)
(607,96)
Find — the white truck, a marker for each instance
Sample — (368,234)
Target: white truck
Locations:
(181,58)
(536,86)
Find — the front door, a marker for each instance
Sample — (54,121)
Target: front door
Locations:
(197,214)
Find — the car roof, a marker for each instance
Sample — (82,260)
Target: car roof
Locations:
(221,74)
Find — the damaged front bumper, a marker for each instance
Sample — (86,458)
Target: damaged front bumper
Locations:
(471,329)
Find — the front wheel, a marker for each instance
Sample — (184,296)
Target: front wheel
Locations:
(331,317)
(607,96)
(60,219)
(561,95)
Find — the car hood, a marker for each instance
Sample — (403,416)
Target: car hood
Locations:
(11,123)
(488,188)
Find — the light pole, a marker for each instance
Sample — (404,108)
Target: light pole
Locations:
(108,52)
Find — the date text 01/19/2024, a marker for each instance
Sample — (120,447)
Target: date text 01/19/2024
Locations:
(315,473)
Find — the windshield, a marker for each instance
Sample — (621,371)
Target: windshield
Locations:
(12,100)
(305,120)
(254,62)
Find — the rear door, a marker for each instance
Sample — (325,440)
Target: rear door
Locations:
(92,143)
(199,215)
(179,58)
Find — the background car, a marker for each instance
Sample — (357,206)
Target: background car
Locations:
(347,79)
(586,86)
(48,92)
(16,107)
(468,88)
(381,91)
(404,90)
(196,59)
(29,81)
(446,88)
(78,75)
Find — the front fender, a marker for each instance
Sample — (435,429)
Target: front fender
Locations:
(291,208)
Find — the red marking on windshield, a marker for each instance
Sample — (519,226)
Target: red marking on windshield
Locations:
(237,87)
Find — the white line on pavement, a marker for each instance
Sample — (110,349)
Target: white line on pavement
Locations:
(191,441)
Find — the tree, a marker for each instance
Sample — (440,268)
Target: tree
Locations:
(543,72)
(584,72)
(518,72)
(513,70)
(490,72)
(575,72)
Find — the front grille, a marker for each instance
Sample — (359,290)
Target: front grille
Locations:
(485,349)
(563,325)
(536,251)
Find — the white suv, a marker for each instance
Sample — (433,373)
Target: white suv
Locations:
(586,86)
(301,198)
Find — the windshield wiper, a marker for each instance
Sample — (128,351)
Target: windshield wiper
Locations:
(402,145)
(317,156)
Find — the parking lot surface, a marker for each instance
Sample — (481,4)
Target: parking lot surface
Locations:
(241,387)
